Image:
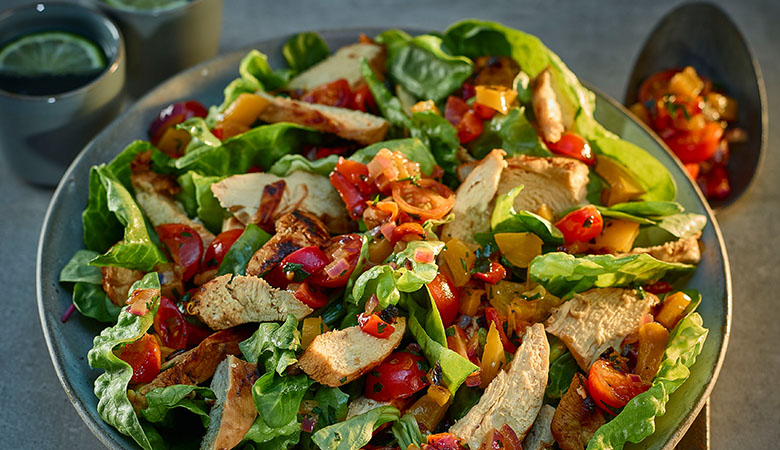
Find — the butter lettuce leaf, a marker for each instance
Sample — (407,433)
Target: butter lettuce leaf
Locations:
(455,368)
(513,133)
(354,432)
(304,50)
(563,274)
(506,219)
(288,164)
(160,401)
(239,254)
(199,201)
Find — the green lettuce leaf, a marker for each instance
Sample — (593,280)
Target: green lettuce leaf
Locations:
(354,432)
(238,256)
(407,432)
(272,437)
(441,137)
(278,398)
(199,201)
(288,164)
(455,368)
(262,146)
(648,208)
(562,370)
(111,386)
(304,50)
(92,301)
(137,250)
(414,149)
(651,175)
(563,274)
(256,74)
(332,405)
(79,270)
(683,225)
(388,104)
(637,419)
(120,165)
(425,70)
(512,132)
(667,217)
(160,401)
(506,219)
(273,346)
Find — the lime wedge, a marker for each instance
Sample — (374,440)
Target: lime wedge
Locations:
(51,53)
(146,4)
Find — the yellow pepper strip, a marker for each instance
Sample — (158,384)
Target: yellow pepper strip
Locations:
(470,304)
(245,109)
(499,98)
(652,345)
(672,309)
(459,260)
(312,327)
(519,248)
(546,212)
(173,141)
(618,236)
(423,106)
(493,358)
(622,186)
(427,409)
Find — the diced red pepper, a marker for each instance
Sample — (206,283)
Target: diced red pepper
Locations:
(353,199)
(455,109)
(492,315)
(470,127)
(311,296)
(496,273)
(375,326)
(484,112)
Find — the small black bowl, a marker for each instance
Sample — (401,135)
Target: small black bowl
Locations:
(703,36)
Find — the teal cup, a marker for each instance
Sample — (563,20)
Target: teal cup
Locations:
(41,134)
(166,40)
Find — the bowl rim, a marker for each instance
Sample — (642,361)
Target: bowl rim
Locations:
(108,440)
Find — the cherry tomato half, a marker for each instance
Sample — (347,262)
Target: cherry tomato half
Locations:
(297,266)
(174,114)
(215,253)
(455,109)
(169,325)
(656,85)
(581,225)
(696,146)
(426,199)
(310,295)
(496,272)
(573,146)
(184,245)
(144,357)
(407,232)
(336,93)
(446,297)
(343,253)
(610,388)
(400,375)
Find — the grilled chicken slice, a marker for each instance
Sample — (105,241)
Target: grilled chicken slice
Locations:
(557,182)
(241,195)
(154,194)
(514,397)
(345,63)
(234,411)
(337,357)
(595,320)
(349,124)
(228,300)
(473,199)
(294,230)
(540,436)
(685,250)
(546,107)
(197,364)
(577,417)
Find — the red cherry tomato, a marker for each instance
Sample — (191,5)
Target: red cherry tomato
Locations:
(455,109)
(610,388)
(310,295)
(215,253)
(696,146)
(573,146)
(716,182)
(350,179)
(425,199)
(174,114)
(400,375)
(184,246)
(484,112)
(195,334)
(144,357)
(343,253)
(363,100)
(581,225)
(336,93)
(496,272)
(470,127)
(169,325)
(357,174)
(297,266)
(492,315)
(656,85)
(446,297)
(374,325)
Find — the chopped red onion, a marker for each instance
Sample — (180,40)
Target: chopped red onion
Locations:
(68,313)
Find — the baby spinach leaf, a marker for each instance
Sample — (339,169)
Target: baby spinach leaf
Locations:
(354,432)
(137,250)
(332,405)
(683,225)
(506,219)
(563,274)
(441,138)
(198,200)
(512,132)
(92,301)
(238,256)
(455,368)
(562,370)
(111,386)
(161,400)
(648,208)
(288,164)
(388,104)
(79,270)
(651,175)
(304,50)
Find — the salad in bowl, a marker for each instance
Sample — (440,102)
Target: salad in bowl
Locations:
(413,242)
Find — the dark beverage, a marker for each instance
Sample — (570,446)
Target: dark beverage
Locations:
(45,84)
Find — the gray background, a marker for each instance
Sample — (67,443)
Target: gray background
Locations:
(599,41)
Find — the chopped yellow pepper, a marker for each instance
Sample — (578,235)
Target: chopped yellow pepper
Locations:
(652,345)
(312,327)
(493,358)
(499,98)
(459,259)
(245,109)
(618,236)
(546,212)
(622,185)
(672,309)
(425,105)
(519,248)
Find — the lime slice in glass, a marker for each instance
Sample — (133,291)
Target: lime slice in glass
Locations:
(51,53)
(146,4)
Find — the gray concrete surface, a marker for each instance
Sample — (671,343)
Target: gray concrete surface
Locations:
(599,41)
